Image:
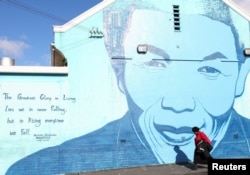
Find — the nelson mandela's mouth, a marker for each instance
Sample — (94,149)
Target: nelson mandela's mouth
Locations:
(181,136)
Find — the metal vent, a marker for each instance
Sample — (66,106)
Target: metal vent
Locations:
(6,61)
(176,15)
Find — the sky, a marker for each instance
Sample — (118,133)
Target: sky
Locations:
(26,27)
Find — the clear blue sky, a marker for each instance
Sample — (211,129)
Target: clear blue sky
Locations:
(26,27)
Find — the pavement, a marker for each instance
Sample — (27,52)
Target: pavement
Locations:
(168,169)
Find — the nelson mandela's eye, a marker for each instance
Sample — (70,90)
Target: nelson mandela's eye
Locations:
(155,64)
(210,72)
(207,69)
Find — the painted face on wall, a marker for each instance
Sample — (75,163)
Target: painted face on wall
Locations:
(187,78)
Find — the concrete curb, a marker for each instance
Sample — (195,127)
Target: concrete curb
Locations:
(167,169)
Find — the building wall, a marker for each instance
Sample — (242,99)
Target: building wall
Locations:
(120,108)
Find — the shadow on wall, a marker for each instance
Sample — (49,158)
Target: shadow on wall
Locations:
(181,156)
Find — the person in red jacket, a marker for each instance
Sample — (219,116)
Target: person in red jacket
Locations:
(203,146)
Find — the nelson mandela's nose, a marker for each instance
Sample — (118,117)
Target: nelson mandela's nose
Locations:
(178,104)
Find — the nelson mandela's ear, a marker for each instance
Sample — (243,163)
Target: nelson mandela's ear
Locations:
(118,65)
(121,86)
(243,73)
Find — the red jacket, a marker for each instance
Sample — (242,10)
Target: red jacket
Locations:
(201,136)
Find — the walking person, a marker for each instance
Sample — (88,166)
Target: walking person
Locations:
(203,146)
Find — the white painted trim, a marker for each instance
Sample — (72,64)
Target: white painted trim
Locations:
(83,16)
(33,70)
(238,9)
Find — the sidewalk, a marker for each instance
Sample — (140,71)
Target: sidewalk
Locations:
(169,169)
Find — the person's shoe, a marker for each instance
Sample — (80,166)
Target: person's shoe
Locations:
(195,167)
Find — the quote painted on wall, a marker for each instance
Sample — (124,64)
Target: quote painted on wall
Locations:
(25,113)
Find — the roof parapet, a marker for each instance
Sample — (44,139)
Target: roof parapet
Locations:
(240,6)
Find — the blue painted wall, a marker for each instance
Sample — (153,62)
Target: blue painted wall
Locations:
(121,108)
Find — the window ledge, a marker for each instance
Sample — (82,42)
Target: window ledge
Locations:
(34,70)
